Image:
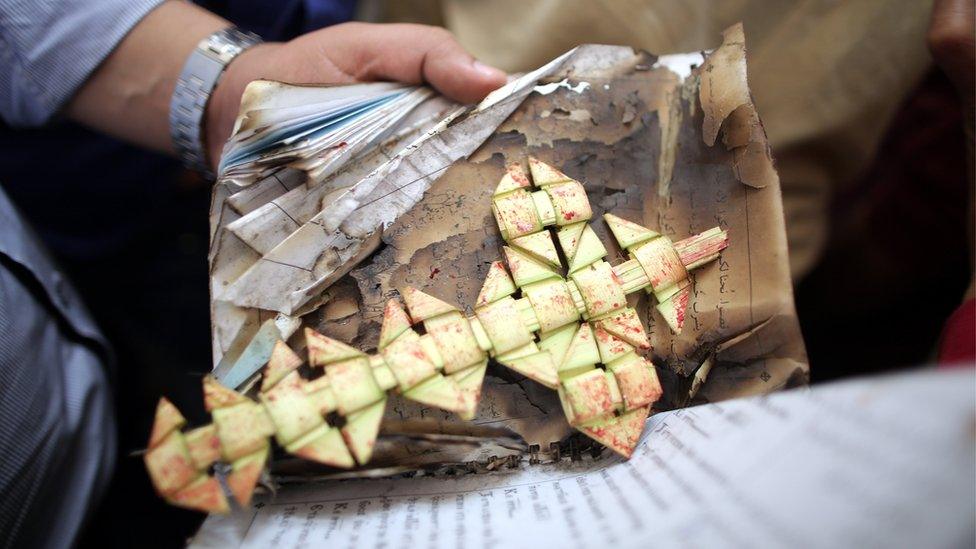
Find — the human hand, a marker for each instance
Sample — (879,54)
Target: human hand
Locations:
(351,52)
(952,41)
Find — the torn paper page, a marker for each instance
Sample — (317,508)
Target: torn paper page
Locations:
(826,467)
(631,127)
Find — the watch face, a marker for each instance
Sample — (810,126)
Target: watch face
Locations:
(228,43)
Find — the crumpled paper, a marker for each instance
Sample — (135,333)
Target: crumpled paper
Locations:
(674,143)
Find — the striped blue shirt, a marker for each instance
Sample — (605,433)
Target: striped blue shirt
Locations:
(48,48)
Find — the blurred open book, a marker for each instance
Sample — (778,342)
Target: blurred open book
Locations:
(840,465)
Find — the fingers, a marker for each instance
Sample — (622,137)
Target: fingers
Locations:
(450,69)
(951,24)
(411,54)
(952,43)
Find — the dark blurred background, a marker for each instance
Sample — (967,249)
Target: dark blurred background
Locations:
(131,228)
(897,259)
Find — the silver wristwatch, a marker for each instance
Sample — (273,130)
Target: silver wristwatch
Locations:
(193,88)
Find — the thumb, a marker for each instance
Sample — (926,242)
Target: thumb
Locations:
(412,54)
(453,72)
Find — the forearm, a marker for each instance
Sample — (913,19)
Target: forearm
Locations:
(129,95)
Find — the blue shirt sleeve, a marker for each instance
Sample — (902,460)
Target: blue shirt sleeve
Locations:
(49,48)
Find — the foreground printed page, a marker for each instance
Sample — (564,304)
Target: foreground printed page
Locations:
(878,462)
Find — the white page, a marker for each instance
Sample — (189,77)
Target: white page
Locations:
(879,462)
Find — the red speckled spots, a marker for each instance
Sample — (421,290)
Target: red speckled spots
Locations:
(176,466)
(204,495)
(702,247)
(517,214)
(620,434)
(170,466)
(680,310)
(242,481)
(638,383)
(518,176)
(599,396)
(589,396)
(625,325)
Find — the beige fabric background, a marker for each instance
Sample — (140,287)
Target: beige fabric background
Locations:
(827,76)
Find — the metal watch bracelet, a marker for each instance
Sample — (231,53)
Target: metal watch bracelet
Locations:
(196,82)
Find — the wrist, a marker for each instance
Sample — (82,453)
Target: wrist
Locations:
(203,69)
